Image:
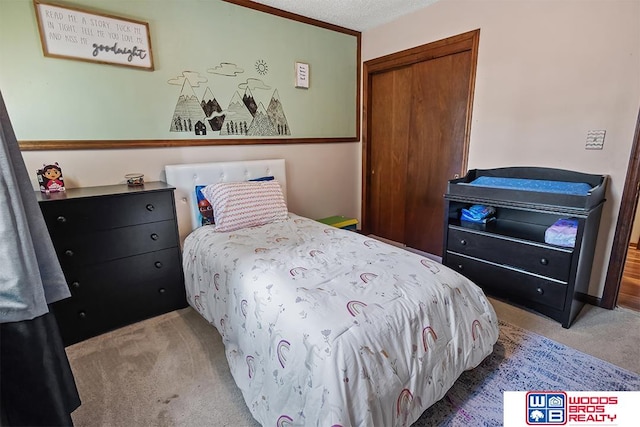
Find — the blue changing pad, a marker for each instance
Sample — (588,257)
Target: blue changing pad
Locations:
(544,186)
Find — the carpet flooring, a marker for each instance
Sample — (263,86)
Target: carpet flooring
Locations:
(171,371)
(522,361)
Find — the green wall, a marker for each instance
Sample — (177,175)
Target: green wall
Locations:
(62,99)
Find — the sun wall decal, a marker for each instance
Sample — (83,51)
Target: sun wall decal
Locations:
(261,67)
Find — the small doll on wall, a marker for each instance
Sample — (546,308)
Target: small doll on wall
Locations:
(50,178)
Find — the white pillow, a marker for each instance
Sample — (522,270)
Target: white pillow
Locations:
(245,204)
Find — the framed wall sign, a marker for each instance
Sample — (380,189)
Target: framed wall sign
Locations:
(302,75)
(73,33)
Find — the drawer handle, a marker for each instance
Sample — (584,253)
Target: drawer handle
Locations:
(68,253)
(463,242)
(150,207)
(540,291)
(544,261)
(82,314)
(61,219)
(162,290)
(154,236)
(75,284)
(158,264)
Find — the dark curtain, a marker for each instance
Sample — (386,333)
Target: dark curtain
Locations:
(37,384)
(37,387)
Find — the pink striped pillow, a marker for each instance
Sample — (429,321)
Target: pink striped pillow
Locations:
(245,204)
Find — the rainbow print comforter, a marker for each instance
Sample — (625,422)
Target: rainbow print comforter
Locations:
(326,327)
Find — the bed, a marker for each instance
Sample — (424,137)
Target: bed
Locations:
(324,326)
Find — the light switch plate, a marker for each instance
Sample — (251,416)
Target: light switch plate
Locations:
(595,139)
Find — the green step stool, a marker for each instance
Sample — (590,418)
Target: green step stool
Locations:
(339,221)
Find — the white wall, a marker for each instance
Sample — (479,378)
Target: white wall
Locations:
(320,177)
(548,71)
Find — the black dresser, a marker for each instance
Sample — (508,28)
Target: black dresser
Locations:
(508,256)
(120,253)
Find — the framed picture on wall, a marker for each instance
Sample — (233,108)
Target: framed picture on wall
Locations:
(73,33)
(302,75)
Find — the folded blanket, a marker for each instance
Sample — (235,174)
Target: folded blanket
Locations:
(478,213)
(562,233)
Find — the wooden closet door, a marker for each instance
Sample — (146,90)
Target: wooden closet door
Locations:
(436,145)
(389,133)
(417,120)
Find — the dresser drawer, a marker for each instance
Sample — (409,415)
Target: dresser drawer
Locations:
(103,213)
(543,260)
(116,293)
(503,281)
(118,278)
(82,318)
(79,320)
(95,247)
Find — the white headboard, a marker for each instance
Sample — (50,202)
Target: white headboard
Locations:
(185,177)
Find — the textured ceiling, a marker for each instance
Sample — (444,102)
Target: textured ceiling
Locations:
(359,15)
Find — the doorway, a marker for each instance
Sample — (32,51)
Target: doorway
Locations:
(629,293)
(624,225)
(417,120)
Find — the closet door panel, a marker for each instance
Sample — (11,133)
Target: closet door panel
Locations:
(389,137)
(436,146)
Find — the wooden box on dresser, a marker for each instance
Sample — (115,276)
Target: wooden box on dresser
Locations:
(508,256)
(120,253)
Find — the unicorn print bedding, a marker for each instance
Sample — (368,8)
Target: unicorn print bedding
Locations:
(326,327)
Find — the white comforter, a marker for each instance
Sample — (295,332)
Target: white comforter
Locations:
(325,327)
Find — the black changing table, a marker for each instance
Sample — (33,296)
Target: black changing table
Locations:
(508,257)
